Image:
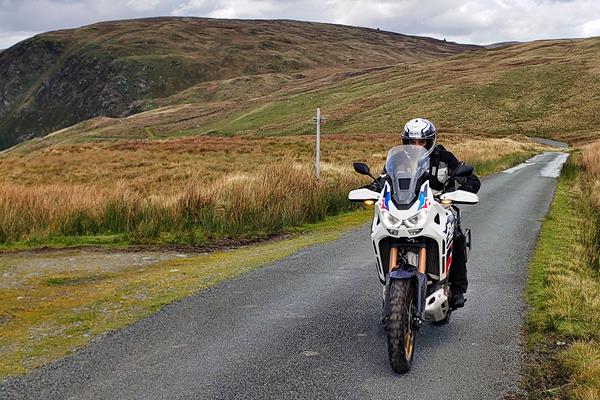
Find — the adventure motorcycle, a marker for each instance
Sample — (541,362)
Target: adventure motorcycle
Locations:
(412,233)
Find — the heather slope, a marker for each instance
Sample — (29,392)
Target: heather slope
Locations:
(60,78)
(543,88)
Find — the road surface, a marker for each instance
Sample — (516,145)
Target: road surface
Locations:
(308,326)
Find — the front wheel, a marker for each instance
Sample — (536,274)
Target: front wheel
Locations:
(400,325)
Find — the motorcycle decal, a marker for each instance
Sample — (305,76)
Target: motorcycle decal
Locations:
(424,202)
(449,257)
(387,195)
(449,228)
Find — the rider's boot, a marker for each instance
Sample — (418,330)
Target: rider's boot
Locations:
(457,301)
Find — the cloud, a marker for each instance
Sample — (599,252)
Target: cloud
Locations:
(8,39)
(142,5)
(591,28)
(482,21)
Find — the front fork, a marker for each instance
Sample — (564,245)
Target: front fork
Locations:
(402,270)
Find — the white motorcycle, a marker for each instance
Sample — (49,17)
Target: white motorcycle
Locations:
(412,234)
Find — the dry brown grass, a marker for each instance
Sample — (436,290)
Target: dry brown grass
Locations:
(164,166)
(582,362)
(277,196)
(196,188)
(590,160)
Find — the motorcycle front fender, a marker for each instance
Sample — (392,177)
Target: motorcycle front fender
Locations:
(420,282)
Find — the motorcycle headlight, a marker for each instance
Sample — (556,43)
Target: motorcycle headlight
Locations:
(389,220)
(417,220)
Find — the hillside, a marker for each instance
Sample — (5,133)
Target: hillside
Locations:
(543,88)
(60,78)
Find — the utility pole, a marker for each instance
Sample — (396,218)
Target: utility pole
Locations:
(318,143)
(318,120)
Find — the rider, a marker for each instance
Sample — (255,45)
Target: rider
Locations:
(442,163)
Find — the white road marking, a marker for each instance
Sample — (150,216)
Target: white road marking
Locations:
(552,170)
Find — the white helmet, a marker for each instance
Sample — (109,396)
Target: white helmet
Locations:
(419,129)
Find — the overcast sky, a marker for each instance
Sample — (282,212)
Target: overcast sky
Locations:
(479,22)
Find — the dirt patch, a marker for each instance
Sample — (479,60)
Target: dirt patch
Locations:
(17,267)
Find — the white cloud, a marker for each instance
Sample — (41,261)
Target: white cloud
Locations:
(7,39)
(474,21)
(591,28)
(142,5)
(243,9)
(191,6)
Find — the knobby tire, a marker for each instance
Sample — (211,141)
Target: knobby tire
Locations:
(400,327)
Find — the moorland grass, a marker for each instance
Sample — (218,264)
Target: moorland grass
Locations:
(159,201)
(281,195)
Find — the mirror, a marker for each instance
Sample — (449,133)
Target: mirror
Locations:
(463,170)
(362,168)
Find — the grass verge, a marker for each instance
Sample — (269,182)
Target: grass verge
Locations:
(563,292)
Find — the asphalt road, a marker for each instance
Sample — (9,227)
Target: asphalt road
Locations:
(550,142)
(308,326)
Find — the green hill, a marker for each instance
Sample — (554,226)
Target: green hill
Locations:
(116,68)
(542,88)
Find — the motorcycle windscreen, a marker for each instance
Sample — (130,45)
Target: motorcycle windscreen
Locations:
(405,166)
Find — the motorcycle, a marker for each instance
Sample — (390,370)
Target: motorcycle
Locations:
(412,234)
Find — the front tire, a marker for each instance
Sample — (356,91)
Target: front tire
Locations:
(400,326)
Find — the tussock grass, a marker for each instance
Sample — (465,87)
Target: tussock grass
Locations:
(564,289)
(590,161)
(157,167)
(582,363)
(158,191)
(281,195)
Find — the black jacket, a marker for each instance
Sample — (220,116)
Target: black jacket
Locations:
(440,156)
(439,159)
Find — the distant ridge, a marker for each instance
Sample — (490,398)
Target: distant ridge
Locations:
(501,44)
(113,68)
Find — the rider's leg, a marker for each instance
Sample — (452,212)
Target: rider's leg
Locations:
(458,269)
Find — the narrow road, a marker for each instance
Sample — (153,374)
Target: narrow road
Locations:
(308,326)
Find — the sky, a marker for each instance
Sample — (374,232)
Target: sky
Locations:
(478,22)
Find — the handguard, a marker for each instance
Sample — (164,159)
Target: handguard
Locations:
(362,194)
(460,197)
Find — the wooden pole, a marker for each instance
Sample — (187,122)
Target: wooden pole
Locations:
(318,143)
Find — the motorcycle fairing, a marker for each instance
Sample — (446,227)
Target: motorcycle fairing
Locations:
(439,229)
